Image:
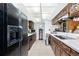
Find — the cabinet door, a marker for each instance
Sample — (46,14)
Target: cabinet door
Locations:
(31,39)
(63,53)
(31,25)
(74,53)
(57,50)
(1,29)
(34,37)
(12,15)
(15,48)
(52,43)
(54,47)
(50,40)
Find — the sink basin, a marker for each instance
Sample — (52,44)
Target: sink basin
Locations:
(64,37)
(60,37)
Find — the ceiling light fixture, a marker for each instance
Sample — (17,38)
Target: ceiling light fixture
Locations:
(37,19)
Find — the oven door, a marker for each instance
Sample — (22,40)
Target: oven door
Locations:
(13,35)
(14,40)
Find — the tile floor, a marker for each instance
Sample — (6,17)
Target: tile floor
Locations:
(40,49)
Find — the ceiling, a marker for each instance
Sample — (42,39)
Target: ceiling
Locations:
(40,12)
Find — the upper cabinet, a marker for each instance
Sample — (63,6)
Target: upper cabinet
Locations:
(70,22)
(64,11)
(74,10)
(12,10)
(23,23)
(12,15)
(31,25)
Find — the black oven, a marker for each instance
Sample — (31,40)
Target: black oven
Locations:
(14,34)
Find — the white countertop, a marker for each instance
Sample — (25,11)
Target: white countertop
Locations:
(29,34)
(72,43)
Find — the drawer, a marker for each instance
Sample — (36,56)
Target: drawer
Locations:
(65,48)
(63,53)
(57,41)
(57,50)
(74,53)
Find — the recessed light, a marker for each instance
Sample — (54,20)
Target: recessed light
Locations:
(31,4)
(37,19)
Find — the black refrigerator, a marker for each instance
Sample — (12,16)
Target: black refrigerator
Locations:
(10,30)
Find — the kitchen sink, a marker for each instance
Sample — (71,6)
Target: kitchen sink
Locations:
(60,37)
(64,37)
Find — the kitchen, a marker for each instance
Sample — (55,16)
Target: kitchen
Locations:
(64,40)
(45,29)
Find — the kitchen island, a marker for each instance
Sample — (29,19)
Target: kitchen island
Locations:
(64,46)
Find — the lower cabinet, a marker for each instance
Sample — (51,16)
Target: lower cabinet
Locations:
(54,46)
(49,40)
(63,53)
(57,50)
(31,39)
(74,53)
(61,49)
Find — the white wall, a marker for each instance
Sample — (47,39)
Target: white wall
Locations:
(36,27)
(45,26)
(54,26)
(48,25)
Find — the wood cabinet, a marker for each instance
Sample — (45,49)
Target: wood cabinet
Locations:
(57,50)
(74,53)
(31,25)
(74,10)
(31,39)
(49,39)
(61,49)
(63,53)
(64,11)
